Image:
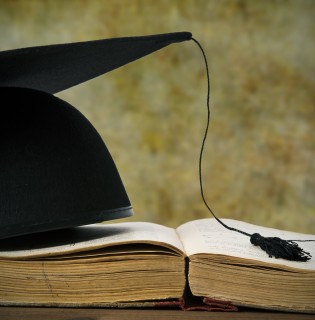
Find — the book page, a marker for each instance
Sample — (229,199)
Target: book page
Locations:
(88,238)
(210,237)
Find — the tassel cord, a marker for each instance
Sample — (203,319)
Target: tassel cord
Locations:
(203,145)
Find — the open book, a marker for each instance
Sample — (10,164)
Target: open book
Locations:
(139,262)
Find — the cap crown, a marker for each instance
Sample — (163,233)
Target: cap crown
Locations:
(55,170)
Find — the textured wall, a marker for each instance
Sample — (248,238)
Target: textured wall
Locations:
(259,158)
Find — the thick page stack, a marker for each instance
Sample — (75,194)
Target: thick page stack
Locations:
(141,263)
(97,265)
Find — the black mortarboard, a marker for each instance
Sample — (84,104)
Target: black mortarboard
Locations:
(55,170)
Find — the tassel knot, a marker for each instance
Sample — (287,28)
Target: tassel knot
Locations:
(279,248)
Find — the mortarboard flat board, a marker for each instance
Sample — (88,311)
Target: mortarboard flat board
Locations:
(58,67)
(55,170)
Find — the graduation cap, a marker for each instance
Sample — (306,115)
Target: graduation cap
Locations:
(55,170)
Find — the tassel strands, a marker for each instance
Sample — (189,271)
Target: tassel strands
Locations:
(279,248)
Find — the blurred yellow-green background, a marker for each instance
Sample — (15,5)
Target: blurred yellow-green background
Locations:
(259,157)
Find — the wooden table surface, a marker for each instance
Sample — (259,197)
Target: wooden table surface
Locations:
(27,313)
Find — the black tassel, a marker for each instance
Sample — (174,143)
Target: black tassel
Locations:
(285,249)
